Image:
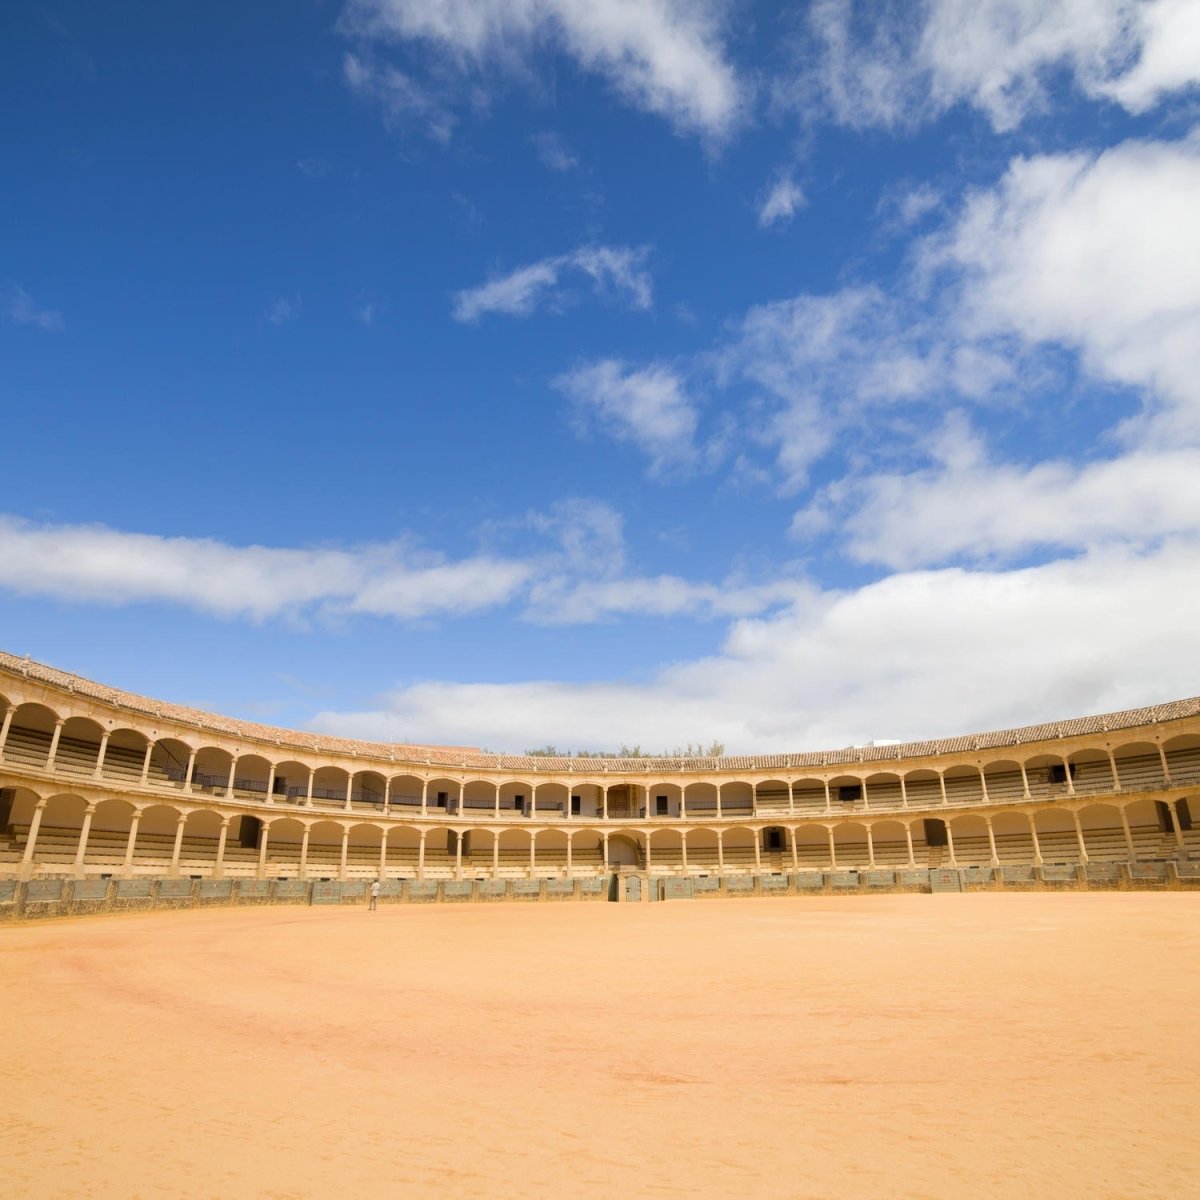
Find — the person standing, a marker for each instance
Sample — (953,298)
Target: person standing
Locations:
(374,895)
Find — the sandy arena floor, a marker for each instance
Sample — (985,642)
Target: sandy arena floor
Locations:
(908,1046)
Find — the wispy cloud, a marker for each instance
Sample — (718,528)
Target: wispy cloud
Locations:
(283,309)
(19,307)
(616,270)
(553,151)
(662,56)
(400,98)
(780,203)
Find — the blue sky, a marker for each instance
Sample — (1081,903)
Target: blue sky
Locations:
(538,371)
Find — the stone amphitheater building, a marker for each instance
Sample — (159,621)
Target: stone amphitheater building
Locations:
(109,799)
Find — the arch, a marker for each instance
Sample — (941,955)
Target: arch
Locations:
(1004,781)
(513,851)
(201,837)
(737,798)
(846,793)
(30,734)
(850,844)
(772,796)
(290,785)
(1056,835)
(1014,842)
(551,845)
(552,799)
(808,795)
(329,786)
(405,793)
(891,845)
(1047,775)
(367,790)
(78,746)
(971,845)
(1091,771)
(963,785)
(701,799)
(624,850)
(125,754)
(882,791)
(812,846)
(442,794)
(666,849)
(251,777)
(155,841)
(1103,836)
(923,787)
(1183,758)
(1139,766)
(213,770)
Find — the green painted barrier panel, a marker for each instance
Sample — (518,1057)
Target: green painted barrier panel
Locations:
(43,890)
(174,889)
(89,889)
(134,889)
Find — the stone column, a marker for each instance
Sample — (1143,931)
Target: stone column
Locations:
(425,797)
(903,793)
(870,847)
(832,849)
(683,851)
(828,799)
(31,839)
(604,838)
(1083,854)
(5,727)
(219,866)
(178,848)
(720,852)
(719,813)
(387,798)
(458,843)
(421,856)
(758,852)
(133,828)
(570,839)
(146,761)
(992,841)
(271,785)
(304,852)
(795,849)
(383,854)
(1024,780)
(96,774)
(1112,762)
(345,852)
(349,789)
(648,857)
(683,802)
(1037,846)
(532,854)
(496,850)
(1128,834)
(496,802)
(912,858)
(863,786)
(1175,829)
(791,798)
(942,785)
(264,836)
(58,728)
(983,785)
(950,844)
(232,774)
(1067,771)
(312,775)
(83,838)
(533,802)
(604,803)
(1162,754)
(187,779)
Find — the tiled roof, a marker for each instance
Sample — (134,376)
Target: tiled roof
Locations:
(459,757)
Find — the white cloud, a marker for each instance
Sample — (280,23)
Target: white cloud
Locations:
(611,269)
(1098,253)
(663,56)
(647,407)
(920,654)
(401,99)
(553,151)
(19,307)
(781,202)
(283,309)
(903,64)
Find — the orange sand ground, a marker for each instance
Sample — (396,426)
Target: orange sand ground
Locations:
(908,1046)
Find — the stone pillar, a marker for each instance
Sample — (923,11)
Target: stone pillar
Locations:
(912,858)
(828,799)
(1175,829)
(791,798)
(349,789)
(533,802)
(5,727)
(146,762)
(1083,854)
(683,803)
(532,854)
(387,799)
(383,854)
(1067,771)
(1037,846)
(1112,762)
(458,843)
(83,838)
(219,866)
(421,856)
(604,837)
(950,844)
(648,860)
(992,842)
(983,785)
(1024,780)
(312,775)
(795,849)
(754,800)
(496,802)
(570,839)
(903,793)
(31,839)
(832,849)
(178,848)
(942,785)
(863,786)
(345,852)
(870,847)
(425,797)
(232,775)
(264,836)
(304,852)
(96,774)
(1162,754)
(271,785)
(133,828)
(191,767)
(757,852)
(58,728)
(683,851)
(496,850)
(719,813)
(604,802)
(1128,835)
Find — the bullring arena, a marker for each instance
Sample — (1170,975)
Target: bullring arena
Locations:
(957,967)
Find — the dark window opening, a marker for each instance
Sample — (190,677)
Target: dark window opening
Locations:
(660,806)
(441,799)
(849,792)
(1058,773)
(773,839)
(1184,814)
(576,806)
(935,832)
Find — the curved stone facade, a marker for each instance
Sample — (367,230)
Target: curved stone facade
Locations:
(99,782)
